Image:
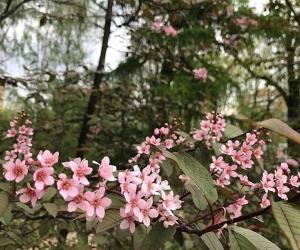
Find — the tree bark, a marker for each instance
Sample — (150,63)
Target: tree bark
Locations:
(94,97)
(293,98)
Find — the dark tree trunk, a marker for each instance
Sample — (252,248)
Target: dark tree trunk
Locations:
(96,83)
(293,99)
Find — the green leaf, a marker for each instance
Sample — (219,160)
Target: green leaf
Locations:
(3,202)
(288,219)
(51,208)
(51,192)
(6,186)
(7,215)
(25,207)
(112,219)
(281,128)
(211,241)
(197,196)
(138,237)
(232,131)
(239,242)
(157,236)
(258,241)
(200,178)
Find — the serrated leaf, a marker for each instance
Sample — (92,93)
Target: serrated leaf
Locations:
(281,128)
(51,192)
(112,219)
(288,219)
(3,202)
(199,175)
(157,236)
(258,241)
(232,131)
(211,241)
(51,208)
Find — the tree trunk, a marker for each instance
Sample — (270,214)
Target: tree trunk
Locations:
(94,97)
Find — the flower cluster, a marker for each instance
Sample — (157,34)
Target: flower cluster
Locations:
(19,158)
(279,182)
(200,74)
(168,29)
(210,129)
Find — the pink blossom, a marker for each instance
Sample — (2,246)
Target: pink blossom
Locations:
(234,210)
(157,25)
(245,181)
(170,30)
(15,171)
(164,130)
(153,141)
(132,197)
(268,182)
(292,162)
(47,159)
(144,211)
(241,201)
(80,169)
(106,170)
(282,190)
(149,187)
(229,171)
(143,148)
(67,187)
(171,202)
(251,138)
(258,152)
(128,220)
(98,203)
(169,143)
(11,133)
(30,194)
(294,181)
(200,74)
(42,177)
(10,155)
(78,201)
(265,202)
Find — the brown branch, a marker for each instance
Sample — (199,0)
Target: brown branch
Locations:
(218,226)
(94,97)
(7,12)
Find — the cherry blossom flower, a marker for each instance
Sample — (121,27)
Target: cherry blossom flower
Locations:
(78,201)
(42,177)
(170,30)
(294,181)
(265,202)
(106,170)
(143,148)
(67,187)
(282,190)
(171,202)
(144,211)
(80,169)
(169,143)
(229,171)
(200,74)
(30,194)
(98,203)
(47,159)
(132,197)
(268,182)
(292,162)
(153,141)
(241,201)
(15,171)
(128,220)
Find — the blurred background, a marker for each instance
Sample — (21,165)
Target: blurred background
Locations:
(98,76)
